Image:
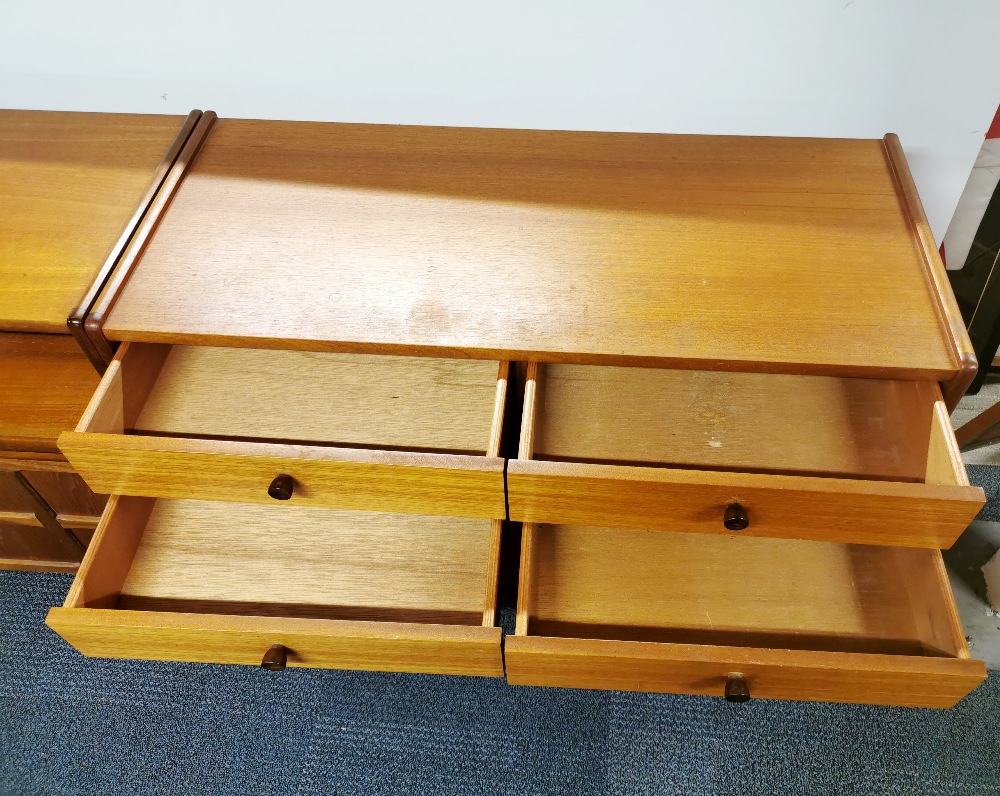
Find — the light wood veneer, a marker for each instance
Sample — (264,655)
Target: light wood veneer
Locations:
(609,248)
(71,182)
(654,611)
(359,432)
(203,581)
(852,460)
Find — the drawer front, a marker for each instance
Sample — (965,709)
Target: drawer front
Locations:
(806,457)
(28,545)
(386,433)
(30,537)
(311,643)
(75,505)
(863,512)
(418,483)
(769,674)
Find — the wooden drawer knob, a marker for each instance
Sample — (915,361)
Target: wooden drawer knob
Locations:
(737,689)
(276,658)
(282,487)
(735,518)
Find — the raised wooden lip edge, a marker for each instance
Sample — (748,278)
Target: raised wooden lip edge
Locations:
(77,318)
(949,315)
(122,269)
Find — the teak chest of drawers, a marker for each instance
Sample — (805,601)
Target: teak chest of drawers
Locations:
(73,189)
(709,376)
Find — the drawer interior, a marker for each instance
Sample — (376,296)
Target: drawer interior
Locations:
(344,400)
(715,420)
(630,585)
(193,556)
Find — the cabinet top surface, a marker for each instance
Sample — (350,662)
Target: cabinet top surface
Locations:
(711,251)
(69,183)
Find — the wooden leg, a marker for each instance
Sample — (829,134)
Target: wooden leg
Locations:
(983,429)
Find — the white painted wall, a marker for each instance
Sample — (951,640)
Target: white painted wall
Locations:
(858,68)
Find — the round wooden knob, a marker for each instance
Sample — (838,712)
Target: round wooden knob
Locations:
(276,658)
(282,487)
(737,689)
(735,518)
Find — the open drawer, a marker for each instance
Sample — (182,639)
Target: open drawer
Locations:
(385,433)
(839,459)
(738,617)
(186,580)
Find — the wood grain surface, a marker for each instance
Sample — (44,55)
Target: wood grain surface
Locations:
(45,385)
(420,483)
(192,140)
(908,681)
(669,450)
(277,560)
(28,530)
(69,183)
(315,643)
(190,412)
(25,565)
(949,314)
(68,495)
(209,582)
(864,428)
(738,591)
(15,461)
(342,399)
(791,507)
(644,611)
(586,247)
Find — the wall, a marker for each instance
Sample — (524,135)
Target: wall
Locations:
(856,68)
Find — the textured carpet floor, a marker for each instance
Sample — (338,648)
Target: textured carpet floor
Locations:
(69,725)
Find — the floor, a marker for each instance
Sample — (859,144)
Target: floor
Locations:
(73,726)
(981,541)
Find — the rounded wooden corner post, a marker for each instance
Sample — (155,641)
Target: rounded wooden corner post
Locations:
(942,295)
(188,147)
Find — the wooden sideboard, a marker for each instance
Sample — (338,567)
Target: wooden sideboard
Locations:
(73,189)
(710,376)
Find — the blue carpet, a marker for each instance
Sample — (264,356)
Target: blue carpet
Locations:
(69,725)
